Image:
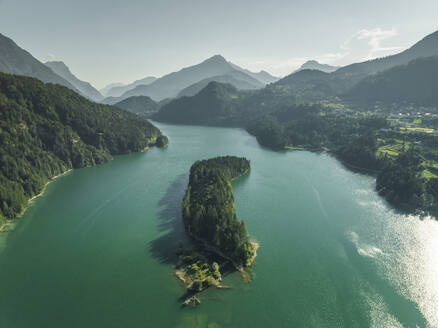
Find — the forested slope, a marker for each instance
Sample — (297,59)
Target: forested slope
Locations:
(47,129)
(416,82)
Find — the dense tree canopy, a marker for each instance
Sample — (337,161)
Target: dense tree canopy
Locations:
(208,207)
(400,182)
(210,106)
(140,105)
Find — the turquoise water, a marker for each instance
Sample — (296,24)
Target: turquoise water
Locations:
(97,249)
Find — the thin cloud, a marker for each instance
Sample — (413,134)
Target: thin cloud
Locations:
(371,42)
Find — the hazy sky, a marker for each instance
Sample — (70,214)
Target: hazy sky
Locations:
(104,41)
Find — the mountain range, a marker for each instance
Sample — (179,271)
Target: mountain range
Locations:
(186,82)
(119,89)
(316,85)
(312,82)
(408,77)
(170,85)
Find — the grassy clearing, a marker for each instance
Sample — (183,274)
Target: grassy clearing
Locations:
(423,130)
(393,150)
(430,164)
(382,152)
(426,174)
(334,106)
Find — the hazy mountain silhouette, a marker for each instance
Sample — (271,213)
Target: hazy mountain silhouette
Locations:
(105,89)
(237,79)
(170,85)
(261,76)
(85,88)
(15,60)
(313,64)
(119,90)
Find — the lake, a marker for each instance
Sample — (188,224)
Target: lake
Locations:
(98,248)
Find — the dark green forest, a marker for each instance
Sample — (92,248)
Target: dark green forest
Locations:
(140,105)
(47,129)
(211,105)
(208,207)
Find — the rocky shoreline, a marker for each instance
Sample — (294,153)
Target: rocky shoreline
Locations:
(199,270)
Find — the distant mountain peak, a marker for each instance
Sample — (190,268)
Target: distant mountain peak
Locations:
(314,64)
(216,59)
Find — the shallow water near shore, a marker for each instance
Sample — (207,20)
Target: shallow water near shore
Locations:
(97,249)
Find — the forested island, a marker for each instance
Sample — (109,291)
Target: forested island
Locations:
(47,129)
(210,219)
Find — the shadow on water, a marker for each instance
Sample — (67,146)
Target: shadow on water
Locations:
(170,221)
(163,248)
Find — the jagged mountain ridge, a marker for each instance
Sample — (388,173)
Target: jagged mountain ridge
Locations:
(15,60)
(84,88)
(170,85)
(119,90)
